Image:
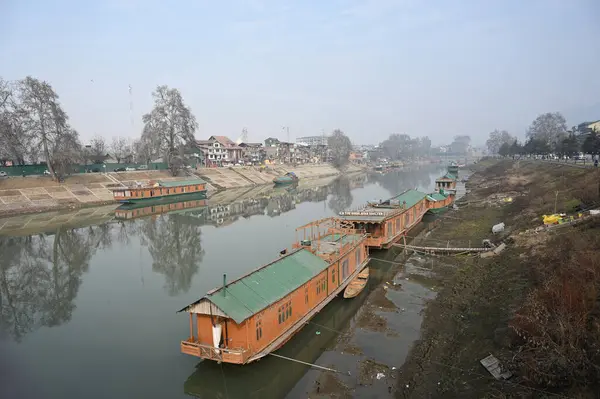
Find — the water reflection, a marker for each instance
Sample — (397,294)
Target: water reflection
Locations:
(40,277)
(341,197)
(175,243)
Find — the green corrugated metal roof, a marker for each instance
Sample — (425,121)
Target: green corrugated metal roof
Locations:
(410,196)
(437,196)
(254,292)
(181,182)
(448,176)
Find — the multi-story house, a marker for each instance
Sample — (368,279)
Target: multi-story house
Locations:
(252,152)
(312,140)
(218,150)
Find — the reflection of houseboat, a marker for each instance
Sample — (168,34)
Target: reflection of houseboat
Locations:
(256,314)
(288,178)
(388,220)
(126,212)
(161,191)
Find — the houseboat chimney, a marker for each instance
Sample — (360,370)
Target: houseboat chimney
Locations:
(224,284)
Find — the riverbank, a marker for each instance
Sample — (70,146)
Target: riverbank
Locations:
(534,307)
(36,194)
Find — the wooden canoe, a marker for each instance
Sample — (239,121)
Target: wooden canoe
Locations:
(358,284)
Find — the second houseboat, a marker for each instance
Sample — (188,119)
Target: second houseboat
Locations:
(387,221)
(161,191)
(254,315)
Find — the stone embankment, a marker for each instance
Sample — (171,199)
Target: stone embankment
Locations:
(38,193)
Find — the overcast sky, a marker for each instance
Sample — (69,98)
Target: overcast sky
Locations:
(370,68)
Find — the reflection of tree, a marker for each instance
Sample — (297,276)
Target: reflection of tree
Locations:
(40,277)
(341,195)
(174,241)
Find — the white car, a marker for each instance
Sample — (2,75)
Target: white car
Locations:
(3,175)
(129,169)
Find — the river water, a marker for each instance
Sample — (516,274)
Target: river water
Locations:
(88,301)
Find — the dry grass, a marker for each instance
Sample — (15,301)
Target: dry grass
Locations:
(545,287)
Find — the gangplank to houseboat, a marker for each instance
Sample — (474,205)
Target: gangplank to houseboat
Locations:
(246,319)
(161,191)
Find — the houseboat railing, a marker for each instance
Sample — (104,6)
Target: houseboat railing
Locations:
(194,348)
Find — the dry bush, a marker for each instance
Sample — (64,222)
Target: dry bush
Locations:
(559,323)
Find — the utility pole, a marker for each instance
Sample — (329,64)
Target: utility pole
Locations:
(287,129)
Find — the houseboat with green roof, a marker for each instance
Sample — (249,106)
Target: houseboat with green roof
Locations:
(387,221)
(254,315)
(161,191)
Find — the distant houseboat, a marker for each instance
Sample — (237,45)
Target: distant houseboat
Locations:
(453,168)
(160,191)
(246,319)
(387,221)
(446,182)
(288,178)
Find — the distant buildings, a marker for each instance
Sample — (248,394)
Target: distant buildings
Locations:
(218,150)
(312,140)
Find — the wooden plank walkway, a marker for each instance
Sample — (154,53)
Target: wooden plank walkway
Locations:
(440,249)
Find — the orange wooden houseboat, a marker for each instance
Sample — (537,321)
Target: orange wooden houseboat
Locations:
(246,319)
(160,191)
(446,182)
(387,221)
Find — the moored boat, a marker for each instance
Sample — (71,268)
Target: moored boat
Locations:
(137,210)
(358,284)
(387,221)
(288,178)
(453,168)
(248,318)
(161,191)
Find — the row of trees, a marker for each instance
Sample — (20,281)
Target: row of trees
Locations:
(34,128)
(404,147)
(548,134)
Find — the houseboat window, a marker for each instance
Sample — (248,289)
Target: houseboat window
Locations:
(280,315)
(324,284)
(306,295)
(258,330)
(333,275)
(397,224)
(415,214)
(318,288)
(405,219)
(389,229)
(357,257)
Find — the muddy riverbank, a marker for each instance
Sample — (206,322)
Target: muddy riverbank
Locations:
(532,307)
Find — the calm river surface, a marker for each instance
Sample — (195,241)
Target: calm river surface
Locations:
(88,303)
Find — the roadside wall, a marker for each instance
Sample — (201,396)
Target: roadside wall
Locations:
(40,193)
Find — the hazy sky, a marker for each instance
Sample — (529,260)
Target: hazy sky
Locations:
(370,68)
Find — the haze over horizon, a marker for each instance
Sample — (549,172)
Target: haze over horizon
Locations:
(369,68)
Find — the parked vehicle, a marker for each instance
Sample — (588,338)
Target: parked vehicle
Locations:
(120,169)
(3,175)
(129,169)
(95,170)
(46,172)
(142,167)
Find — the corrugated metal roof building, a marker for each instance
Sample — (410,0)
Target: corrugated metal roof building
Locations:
(254,292)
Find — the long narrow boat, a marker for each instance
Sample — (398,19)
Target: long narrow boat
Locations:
(246,319)
(358,284)
(288,178)
(440,201)
(161,191)
(446,182)
(453,168)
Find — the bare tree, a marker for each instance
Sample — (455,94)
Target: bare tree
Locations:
(550,128)
(42,116)
(66,153)
(496,139)
(170,125)
(120,148)
(15,143)
(340,147)
(98,146)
